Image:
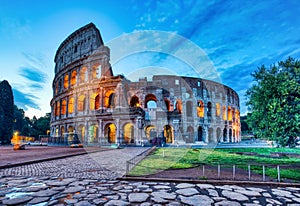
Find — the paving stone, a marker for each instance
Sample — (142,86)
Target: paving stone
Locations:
(234,195)
(273,202)
(282,193)
(184,185)
(53,202)
(173,204)
(159,200)
(206,186)
(117,202)
(74,189)
(146,204)
(227,203)
(187,191)
(212,192)
(33,189)
(100,201)
(70,201)
(61,188)
(165,195)
(112,197)
(38,200)
(45,193)
(251,204)
(256,189)
(266,195)
(83,203)
(78,196)
(249,192)
(218,198)
(17,201)
(296,199)
(138,197)
(196,200)
(161,187)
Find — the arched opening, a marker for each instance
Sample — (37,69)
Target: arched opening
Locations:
(73,77)
(71,105)
(134,101)
(70,134)
(97,101)
(167,102)
(178,106)
(62,131)
(109,99)
(96,73)
(209,106)
(93,134)
(169,133)
(229,113)
(110,131)
(81,133)
(200,109)
(150,101)
(150,132)
(66,81)
(218,110)
(211,135)
(81,103)
(128,133)
(219,134)
(57,111)
(94,101)
(200,134)
(83,74)
(224,113)
(63,107)
(190,134)
(189,108)
(233,135)
(224,135)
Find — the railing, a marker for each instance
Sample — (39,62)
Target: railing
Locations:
(130,164)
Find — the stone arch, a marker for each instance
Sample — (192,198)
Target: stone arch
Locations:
(57,109)
(200,109)
(168,104)
(190,134)
(94,101)
(66,81)
(110,132)
(128,133)
(73,77)
(109,99)
(83,74)
(150,101)
(64,107)
(93,133)
(81,132)
(81,103)
(134,101)
(71,105)
(70,134)
(225,134)
(189,108)
(209,107)
(169,133)
(200,134)
(218,110)
(96,73)
(178,106)
(150,131)
(224,113)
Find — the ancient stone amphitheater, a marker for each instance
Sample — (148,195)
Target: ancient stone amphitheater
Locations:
(99,108)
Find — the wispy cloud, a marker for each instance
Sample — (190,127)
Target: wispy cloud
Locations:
(25,100)
(33,74)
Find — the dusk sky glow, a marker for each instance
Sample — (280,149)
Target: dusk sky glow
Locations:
(237,37)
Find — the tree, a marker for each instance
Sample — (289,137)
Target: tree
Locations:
(274,102)
(19,116)
(6,112)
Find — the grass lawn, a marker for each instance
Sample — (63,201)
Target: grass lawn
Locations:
(179,158)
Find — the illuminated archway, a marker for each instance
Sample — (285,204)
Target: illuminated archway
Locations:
(134,101)
(178,106)
(93,134)
(110,131)
(128,133)
(81,133)
(73,77)
(81,103)
(71,105)
(169,133)
(151,132)
(109,99)
(200,109)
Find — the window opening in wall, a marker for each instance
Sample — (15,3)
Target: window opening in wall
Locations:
(81,103)
(189,109)
(218,109)
(200,109)
(64,107)
(71,105)
(66,81)
(224,113)
(73,78)
(128,133)
(229,114)
(176,82)
(209,109)
(178,106)
(134,101)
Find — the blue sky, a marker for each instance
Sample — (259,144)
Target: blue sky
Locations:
(236,36)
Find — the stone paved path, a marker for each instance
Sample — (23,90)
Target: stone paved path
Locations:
(90,180)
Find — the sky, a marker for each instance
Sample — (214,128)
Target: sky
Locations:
(229,39)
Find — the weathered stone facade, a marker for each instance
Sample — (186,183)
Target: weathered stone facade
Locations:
(101,108)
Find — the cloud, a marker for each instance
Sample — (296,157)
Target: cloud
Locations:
(33,74)
(25,100)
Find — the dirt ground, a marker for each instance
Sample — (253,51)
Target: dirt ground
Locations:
(9,157)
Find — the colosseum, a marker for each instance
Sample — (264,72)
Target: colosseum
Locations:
(93,105)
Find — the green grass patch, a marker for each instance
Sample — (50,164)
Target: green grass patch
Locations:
(181,158)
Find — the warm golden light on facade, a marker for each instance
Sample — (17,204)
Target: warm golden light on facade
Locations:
(73,77)
(218,109)
(71,105)
(81,103)
(64,107)
(66,81)
(200,109)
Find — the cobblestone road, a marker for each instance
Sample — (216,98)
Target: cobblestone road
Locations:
(90,180)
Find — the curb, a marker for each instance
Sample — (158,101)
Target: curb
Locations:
(214,182)
(47,159)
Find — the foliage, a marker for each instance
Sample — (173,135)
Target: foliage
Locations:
(244,125)
(274,102)
(180,158)
(6,112)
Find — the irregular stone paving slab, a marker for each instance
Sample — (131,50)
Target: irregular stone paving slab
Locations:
(234,195)
(206,186)
(184,185)
(248,192)
(165,195)
(138,197)
(17,201)
(282,193)
(117,202)
(38,200)
(255,189)
(187,191)
(196,200)
(227,203)
(45,193)
(212,192)
(83,203)
(162,187)
(159,200)
(74,189)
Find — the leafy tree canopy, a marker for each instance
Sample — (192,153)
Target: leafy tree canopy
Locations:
(274,102)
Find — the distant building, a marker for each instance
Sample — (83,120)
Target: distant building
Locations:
(88,100)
